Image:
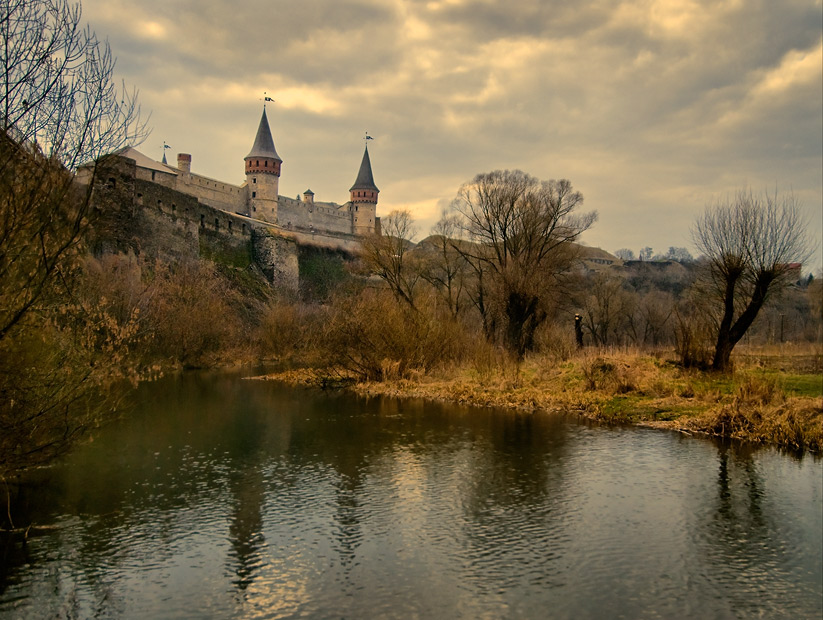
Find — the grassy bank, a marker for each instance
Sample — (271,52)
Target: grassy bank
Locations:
(775,395)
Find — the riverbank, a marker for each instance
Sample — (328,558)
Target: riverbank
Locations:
(774,396)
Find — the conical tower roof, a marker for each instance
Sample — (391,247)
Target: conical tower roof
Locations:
(263,142)
(365,179)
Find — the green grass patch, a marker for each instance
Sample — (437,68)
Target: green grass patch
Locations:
(633,408)
(726,385)
(792,384)
(802,385)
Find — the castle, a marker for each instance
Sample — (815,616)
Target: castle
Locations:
(156,209)
(259,198)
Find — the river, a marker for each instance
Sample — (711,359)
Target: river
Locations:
(218,497)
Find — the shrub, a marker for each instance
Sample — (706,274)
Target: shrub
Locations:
(189,314)
(291,332)
(693,342)
(555,341)
(375,337)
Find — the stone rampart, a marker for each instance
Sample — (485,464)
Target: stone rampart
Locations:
(277,257)
(156,220)
(213,193)
(167,179)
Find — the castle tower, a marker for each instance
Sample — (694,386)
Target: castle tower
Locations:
(263,174)
(364,198)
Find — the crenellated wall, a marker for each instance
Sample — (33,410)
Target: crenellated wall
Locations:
(213,193)
(317,216)
(157,221)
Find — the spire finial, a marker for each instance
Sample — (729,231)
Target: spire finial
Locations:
(365,178)
(165,146)
(266,99)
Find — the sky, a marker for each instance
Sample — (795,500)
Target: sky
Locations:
(653,109)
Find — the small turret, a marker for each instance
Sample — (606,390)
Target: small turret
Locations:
(183,162)
(364,198)
(263,174)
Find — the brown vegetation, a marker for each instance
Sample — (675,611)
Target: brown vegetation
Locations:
(628,386)
(61,352)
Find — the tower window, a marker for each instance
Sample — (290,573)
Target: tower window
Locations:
(265,164)
(254,180)
(254,194)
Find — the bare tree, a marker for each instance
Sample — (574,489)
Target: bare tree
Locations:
(653,314)
(387,255)
(58,91)
(59,108)
(606,307)
(752,243)
(521,231)
(443,266)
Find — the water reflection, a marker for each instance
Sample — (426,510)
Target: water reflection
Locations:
(753,558)
(221,498)
(247,489)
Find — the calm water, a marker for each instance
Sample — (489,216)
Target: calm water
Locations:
(223,498)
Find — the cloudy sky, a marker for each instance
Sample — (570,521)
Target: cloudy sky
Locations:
(652,108)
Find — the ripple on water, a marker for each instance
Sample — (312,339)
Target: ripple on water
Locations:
(307,509)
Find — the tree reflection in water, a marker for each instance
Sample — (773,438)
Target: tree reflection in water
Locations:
(229,498)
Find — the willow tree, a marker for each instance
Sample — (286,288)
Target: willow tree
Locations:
(59,109)
(521,231)
(753,242)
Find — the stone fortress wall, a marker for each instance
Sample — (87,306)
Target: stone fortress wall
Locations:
(292,214)
(153,208)
(208,191)
(318,216)
(154,219)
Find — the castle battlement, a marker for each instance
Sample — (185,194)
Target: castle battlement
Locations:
(259,199)
(153,208)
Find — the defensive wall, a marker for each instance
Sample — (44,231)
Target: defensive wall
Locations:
(292,214)
(153,219)
(308,215)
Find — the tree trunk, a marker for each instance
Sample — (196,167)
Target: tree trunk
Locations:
(730,334)
(521,322)
(722,353)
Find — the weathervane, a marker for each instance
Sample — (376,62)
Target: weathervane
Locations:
(165,146)
(367,138)
(266,99)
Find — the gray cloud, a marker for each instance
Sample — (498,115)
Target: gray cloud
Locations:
(650,108)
